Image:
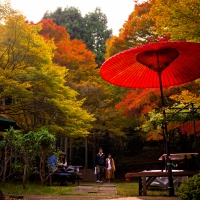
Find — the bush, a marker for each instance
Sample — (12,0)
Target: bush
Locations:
(190,188)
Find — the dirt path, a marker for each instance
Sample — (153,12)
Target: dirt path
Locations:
(79,197)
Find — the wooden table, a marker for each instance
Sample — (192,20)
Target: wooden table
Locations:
(147,177)
(77,171)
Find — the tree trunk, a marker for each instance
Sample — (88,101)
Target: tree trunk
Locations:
(5,164)
(86,152)
(24,177)
(25,171)
(42,168)
(94,149)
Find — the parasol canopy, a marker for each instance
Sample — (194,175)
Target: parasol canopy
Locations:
(178,62)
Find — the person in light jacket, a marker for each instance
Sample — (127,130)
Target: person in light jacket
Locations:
(110,168)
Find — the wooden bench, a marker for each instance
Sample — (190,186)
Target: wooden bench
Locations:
(147,177)
(16,197)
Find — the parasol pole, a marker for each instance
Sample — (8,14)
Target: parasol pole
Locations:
(169,163)
(195,132)
(194,127)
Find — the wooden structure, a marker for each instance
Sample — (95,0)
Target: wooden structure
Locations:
(188,159)
(145,178)
(179,156)
(71,175)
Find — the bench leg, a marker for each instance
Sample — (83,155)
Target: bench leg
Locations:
(50,180)
(78,182)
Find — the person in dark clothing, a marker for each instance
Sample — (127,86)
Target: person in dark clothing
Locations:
(100,163)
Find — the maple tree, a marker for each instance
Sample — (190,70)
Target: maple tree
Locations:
(183,121)
(136,31)
(139,29)
(179,18)
(91,29)
(51,31)
(70,18)
(73,54)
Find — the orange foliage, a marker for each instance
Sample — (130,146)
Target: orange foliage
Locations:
(154,136)
(73,54)
(143,100)
(51,31)
(188,128)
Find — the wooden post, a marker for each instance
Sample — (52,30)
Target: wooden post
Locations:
(86,152)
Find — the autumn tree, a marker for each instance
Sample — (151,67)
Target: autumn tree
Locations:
(83,76)
(36,85)
(70,18)
(179,18)
(136,31)
(91,29)
(6,9)
(71,54)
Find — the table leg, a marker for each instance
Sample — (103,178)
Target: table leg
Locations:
(140,185)
(144,186)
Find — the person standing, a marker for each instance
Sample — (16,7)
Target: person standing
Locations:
(100,163)
(110,168)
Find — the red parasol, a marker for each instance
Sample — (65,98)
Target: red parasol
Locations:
(138,67)
(155,65)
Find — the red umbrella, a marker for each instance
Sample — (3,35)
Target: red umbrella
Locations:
(138,67)
(155,65)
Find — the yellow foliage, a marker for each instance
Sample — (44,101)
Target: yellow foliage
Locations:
(186,97)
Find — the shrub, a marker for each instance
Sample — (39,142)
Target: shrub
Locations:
(190,188)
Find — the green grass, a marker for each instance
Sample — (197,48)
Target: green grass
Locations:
(131,189)
(123,189)
(36,189)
